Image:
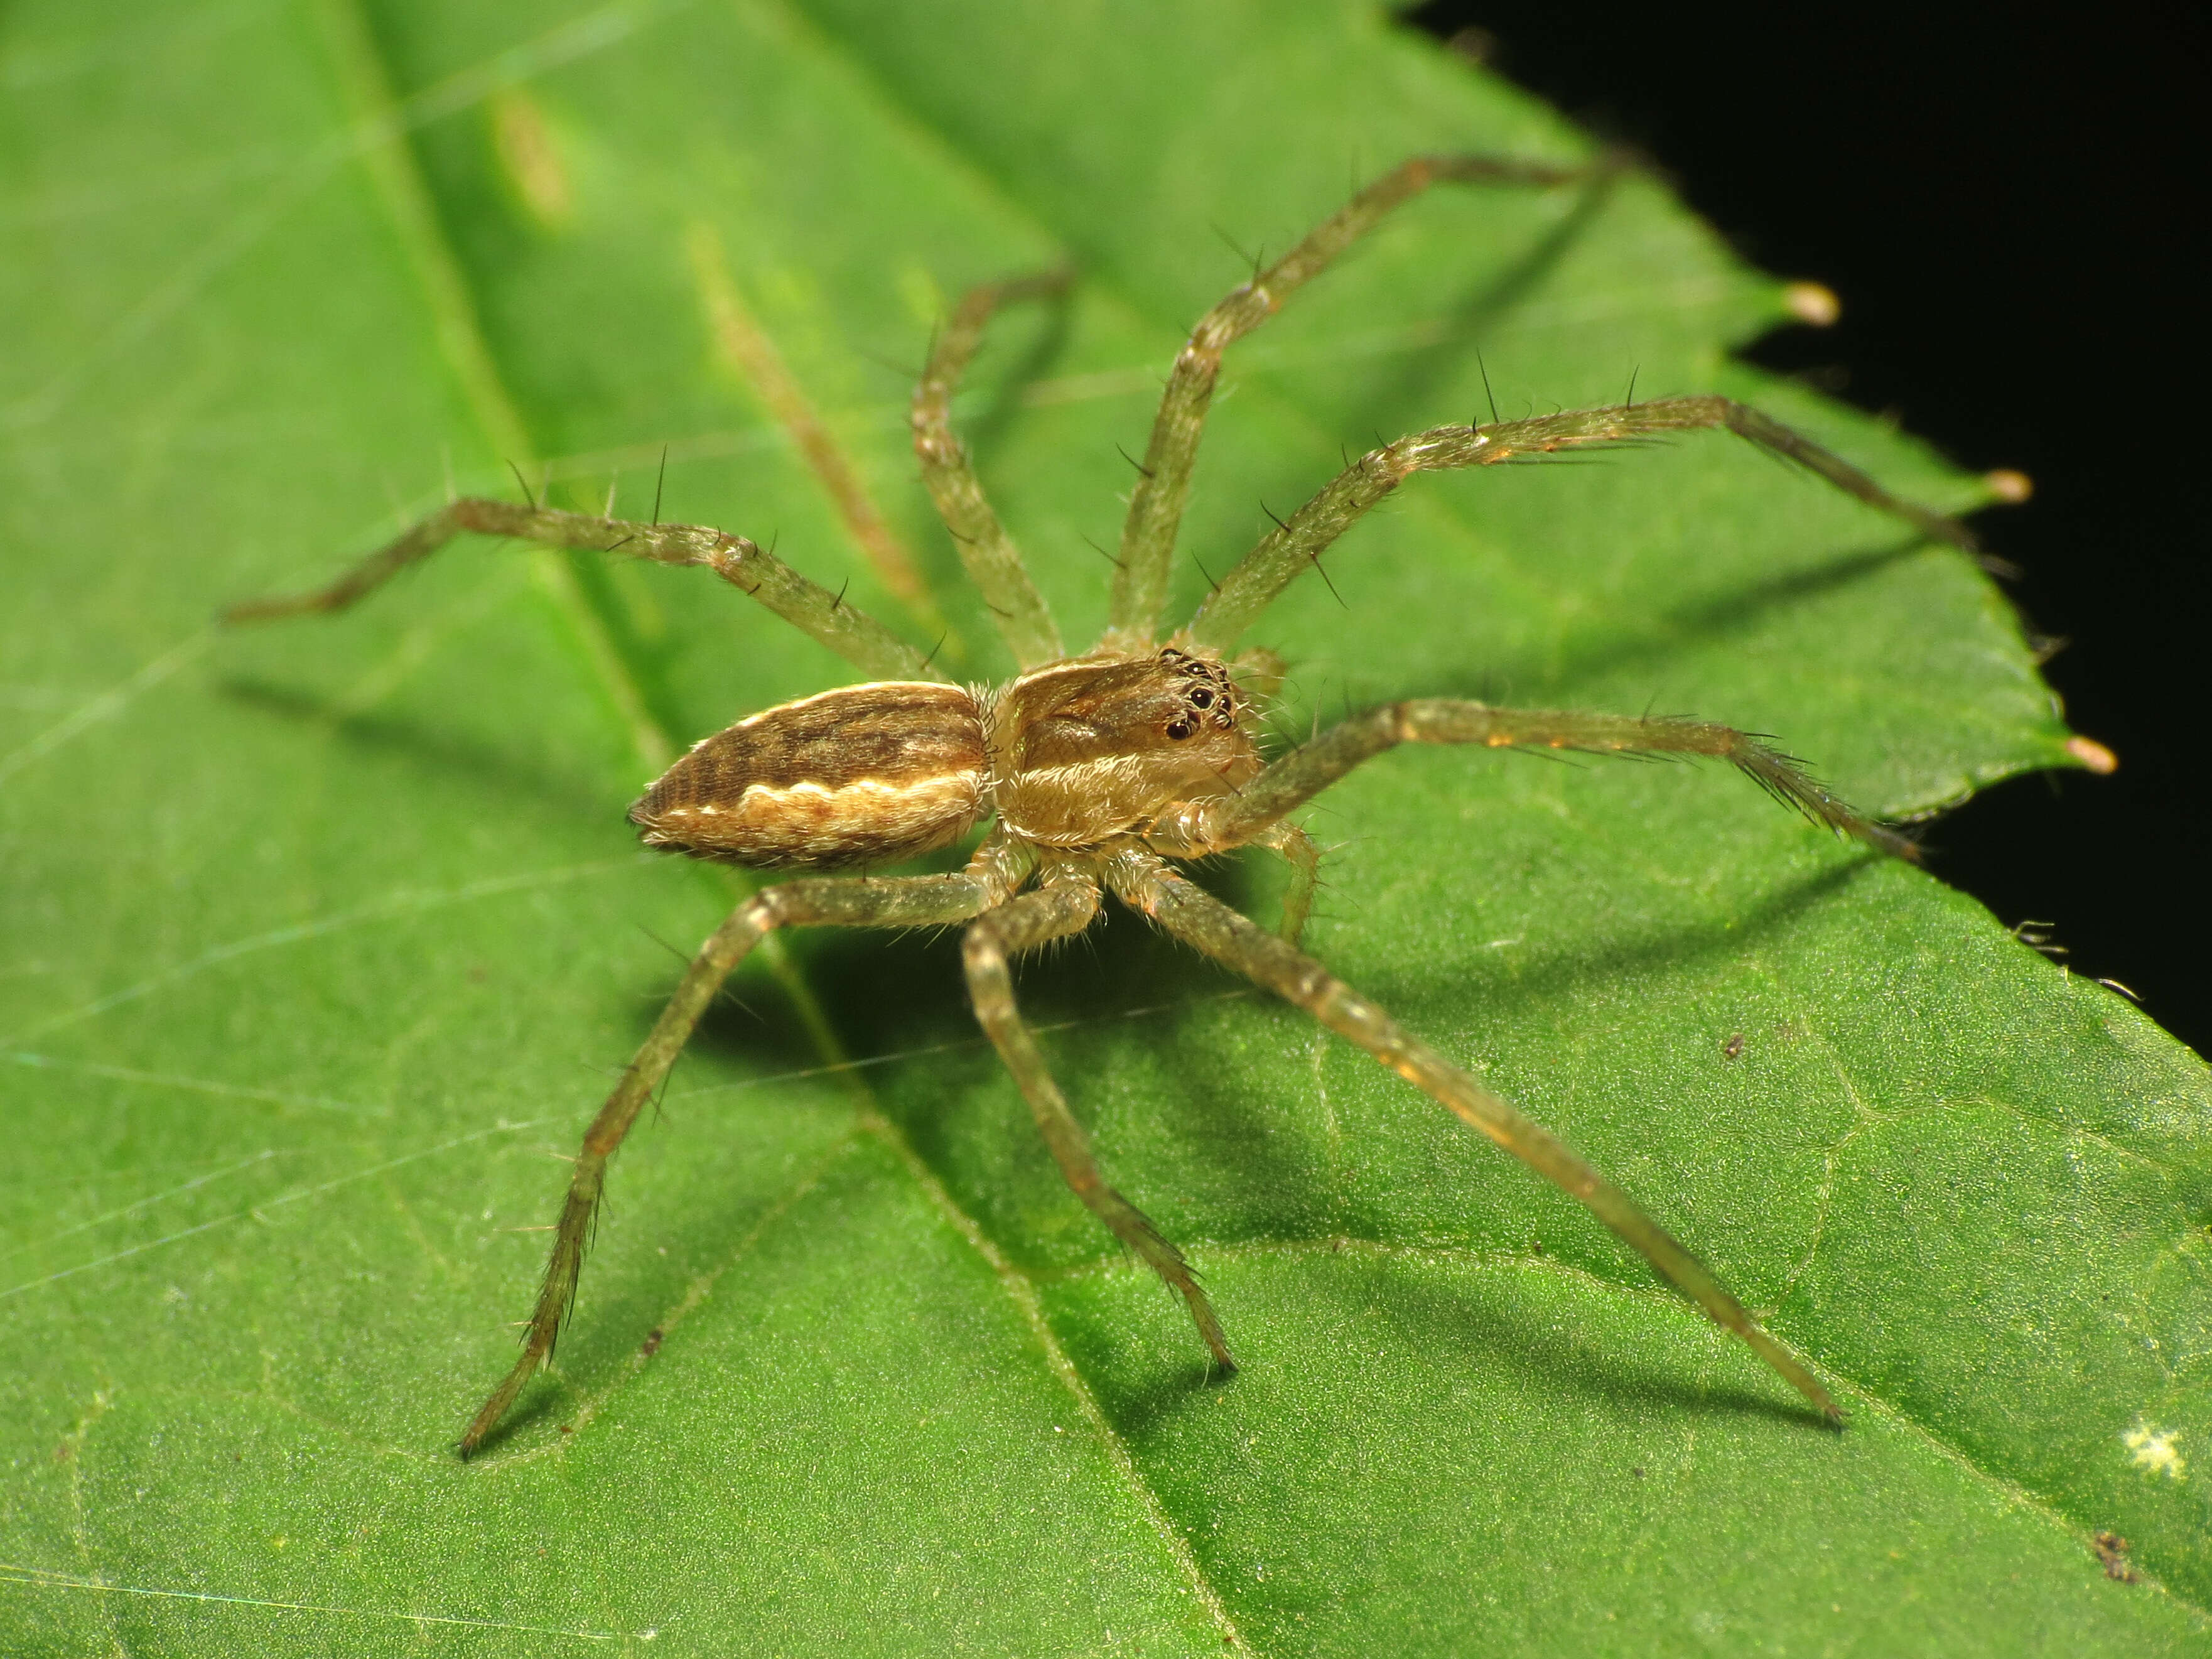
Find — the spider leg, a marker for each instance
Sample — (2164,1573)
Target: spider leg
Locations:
(1203,922)
(1067,903)
(1283,553)
(882,901)
(857,637)
(992,561)
(1148,535)
(1197,829)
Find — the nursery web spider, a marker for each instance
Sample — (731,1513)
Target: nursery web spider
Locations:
(1101,771)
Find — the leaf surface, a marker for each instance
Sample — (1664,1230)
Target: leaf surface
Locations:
(324,940)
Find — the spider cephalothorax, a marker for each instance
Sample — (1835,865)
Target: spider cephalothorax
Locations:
(1087,750)
(1097,772)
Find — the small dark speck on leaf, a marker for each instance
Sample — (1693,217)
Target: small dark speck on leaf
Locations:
(2112,1550)
(1733,1047)
(1637,1472)
(652,1345)
(567,1428)
(62,1453)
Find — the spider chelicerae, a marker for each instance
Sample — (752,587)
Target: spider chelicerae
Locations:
(1097,772)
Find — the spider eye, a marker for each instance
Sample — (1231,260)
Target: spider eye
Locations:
(1179,729)
(1202,698)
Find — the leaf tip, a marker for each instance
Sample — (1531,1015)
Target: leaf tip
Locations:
(1814,304)
(2093,754)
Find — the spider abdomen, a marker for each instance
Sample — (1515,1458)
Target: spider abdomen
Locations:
(865,774)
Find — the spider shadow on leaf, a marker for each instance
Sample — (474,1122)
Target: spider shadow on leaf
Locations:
(1492,1329)
(436,751)
(1631,641)
(1488,1324)
(1410,388)
(989,427)
(1552,975)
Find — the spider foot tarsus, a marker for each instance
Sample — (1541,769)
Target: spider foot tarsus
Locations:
(1164,1257)
(1786,780)
(556,1297)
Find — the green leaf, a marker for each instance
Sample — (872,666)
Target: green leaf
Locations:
(323,940)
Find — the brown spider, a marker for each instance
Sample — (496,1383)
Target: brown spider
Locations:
(1102,769)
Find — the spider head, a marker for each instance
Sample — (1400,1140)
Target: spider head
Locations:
(1087,749)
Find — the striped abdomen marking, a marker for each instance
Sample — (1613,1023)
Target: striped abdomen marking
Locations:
(867,775)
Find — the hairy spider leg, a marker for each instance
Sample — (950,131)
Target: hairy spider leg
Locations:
(1156,506)
(850,632)
(832,902)
(1237,943)
(1285,553)
(988,554)
(1067,903)
(1197,829)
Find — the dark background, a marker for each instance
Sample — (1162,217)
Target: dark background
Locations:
(2003,206)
